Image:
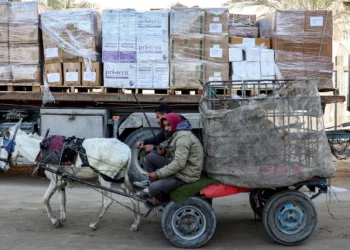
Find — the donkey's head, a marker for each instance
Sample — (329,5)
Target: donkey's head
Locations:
(7,145)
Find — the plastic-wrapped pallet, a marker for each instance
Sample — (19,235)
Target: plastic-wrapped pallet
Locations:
(302,41)
(138,43)
(243,26)
(273,142)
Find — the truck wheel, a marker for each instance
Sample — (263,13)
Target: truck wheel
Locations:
(137,172)
(258,198)
(289,217)
(189,224)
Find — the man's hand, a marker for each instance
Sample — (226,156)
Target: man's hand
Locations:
(153,176)
(139,144)
(148,148)
(160,150)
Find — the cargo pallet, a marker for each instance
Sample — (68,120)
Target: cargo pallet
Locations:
(75,89)
(20,87)
(144,91)
(186,90)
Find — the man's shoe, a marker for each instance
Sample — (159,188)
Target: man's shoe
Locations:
(142,184)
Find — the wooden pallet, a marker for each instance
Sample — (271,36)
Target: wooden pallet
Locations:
(185,91)
(20,87)
(137,91)
(75,89)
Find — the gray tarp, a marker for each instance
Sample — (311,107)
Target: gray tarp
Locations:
(269,142)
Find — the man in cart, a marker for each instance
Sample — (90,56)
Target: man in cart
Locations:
(183,163)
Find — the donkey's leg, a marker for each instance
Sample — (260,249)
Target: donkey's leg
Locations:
(49,193)
(62,195)
(106,203)
(136,224)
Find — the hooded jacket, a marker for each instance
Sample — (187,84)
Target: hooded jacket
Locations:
(185,150)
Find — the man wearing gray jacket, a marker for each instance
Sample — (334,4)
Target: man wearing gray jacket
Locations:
(185,154)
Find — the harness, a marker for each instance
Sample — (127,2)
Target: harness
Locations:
(9,145)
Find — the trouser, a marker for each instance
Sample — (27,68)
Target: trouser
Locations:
(155,161)
(160,189)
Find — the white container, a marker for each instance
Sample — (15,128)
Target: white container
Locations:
(127,22)
(239,69)
(144,76)
(119,75)
(253,70)
(267,55)
(235,54)
(267,69)
(110,23)
(252,54)
(161,75)
(152,49)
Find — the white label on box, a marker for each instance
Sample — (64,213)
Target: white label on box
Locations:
(215,28)
(216,19)
(72,76)
(54,77)
(51,52)
(249,41)
(214,79)
(89,76)
(316,21)
(217,74)
(216,52)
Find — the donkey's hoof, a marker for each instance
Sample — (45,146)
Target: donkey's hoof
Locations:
(57,223)
(92,227)
(134,228)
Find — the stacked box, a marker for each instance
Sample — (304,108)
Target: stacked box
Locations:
(303,43)
(69,39)
(20,42)
(138,44)
(243,26)
(198,46)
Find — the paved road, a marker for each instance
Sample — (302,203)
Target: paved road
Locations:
(24,223)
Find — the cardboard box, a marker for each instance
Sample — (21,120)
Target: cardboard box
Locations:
(266,42)
(288,48)
(267,69)
(217,72)
(93,76)
(250,31)
(318,23)
(216,49)
(152,49)
(110,23)
(322,71)
(186,47)
(72,74)
(144,75)
(235,54)
(161,75)
(253,54)
(5,74)
(4,32)
(239,70)
(186,74)
(24,32)
(318,49)
(216,21)
(53,74)
(110,50)
(127,22)
(119,75)
(27,74)
(289,23)
(267,55)
(253,70)
(185,21)
(152,23)
(291,70)
(25,53)
(242,20)
(127,49)
(24,11)
(52,53)
(4,12)
(4,54)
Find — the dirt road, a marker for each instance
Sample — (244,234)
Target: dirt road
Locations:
(24,223)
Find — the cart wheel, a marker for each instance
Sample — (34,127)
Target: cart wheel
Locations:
(189,224)
(289,217)
(258,198)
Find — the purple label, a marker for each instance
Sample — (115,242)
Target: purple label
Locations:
(117,74)
(110,56)
(127,56)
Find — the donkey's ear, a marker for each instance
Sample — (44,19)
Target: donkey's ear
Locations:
(6,133)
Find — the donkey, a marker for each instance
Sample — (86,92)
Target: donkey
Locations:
(108,156)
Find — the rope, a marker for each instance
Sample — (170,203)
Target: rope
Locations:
(342,152)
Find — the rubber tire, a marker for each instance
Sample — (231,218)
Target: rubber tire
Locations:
(259,210)
(204,207)
(269,217)
(135,172)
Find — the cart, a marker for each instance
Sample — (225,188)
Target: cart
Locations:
(288,215)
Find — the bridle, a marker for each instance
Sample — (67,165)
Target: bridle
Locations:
(9,146)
